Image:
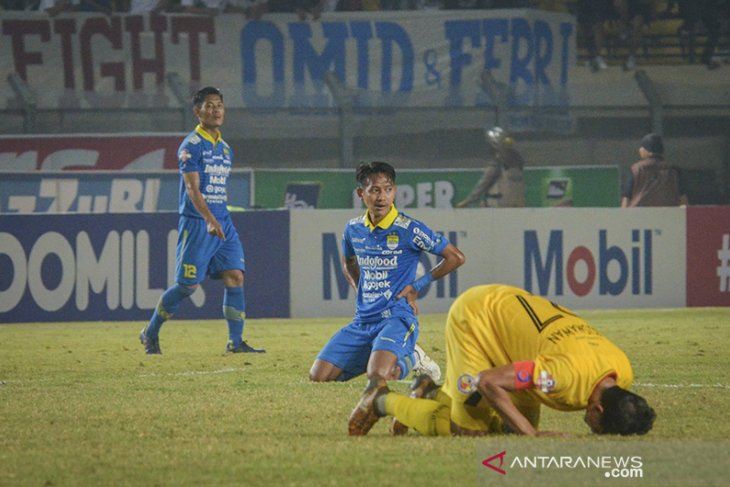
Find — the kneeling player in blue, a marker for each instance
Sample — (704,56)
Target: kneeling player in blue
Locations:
(381,251)
(208,243)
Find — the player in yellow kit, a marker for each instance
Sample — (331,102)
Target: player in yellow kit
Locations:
(508,352)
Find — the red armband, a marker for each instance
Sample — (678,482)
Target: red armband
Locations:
(523,374)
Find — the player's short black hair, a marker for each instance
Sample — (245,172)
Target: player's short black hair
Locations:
(367,169)
(200,96)
(625,413)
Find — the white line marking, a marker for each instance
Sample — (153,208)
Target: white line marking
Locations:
(685,386)
(194,372)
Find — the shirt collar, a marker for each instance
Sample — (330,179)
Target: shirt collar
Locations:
(385,222)
(200,131)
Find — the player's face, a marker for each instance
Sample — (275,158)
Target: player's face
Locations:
(211,113)
(378,196)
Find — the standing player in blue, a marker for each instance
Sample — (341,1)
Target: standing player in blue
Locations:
(381,250)
(208,243)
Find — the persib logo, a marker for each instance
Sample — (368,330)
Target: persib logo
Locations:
(614,267)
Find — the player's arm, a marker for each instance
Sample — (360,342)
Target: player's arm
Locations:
(351,270)
(495,384)
(453,258)
(192,187)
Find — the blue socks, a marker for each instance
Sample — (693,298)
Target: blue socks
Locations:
(166,307)
(234,311)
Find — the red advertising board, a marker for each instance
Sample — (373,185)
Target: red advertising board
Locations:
(110,152)
(708,256)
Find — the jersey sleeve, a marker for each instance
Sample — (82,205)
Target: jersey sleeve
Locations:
(425,239)
(347,248)
(189,157)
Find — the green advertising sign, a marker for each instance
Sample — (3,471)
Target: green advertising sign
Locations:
(437,188)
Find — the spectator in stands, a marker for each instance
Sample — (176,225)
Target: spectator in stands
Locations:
(633,15)
(141,7)
(591,16)
(707,12)
(55,7)
(252,9)
(502,185)
(652,181)
(203,7)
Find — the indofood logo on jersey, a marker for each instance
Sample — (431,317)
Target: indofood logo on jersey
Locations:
(614,267)
(378,262)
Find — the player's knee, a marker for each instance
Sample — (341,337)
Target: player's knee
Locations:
(323,372)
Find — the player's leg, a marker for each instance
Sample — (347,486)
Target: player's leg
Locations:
(344,356)
(430,416)
(193,252)
(229,263)
(393,354)
(470,413)
(392,357)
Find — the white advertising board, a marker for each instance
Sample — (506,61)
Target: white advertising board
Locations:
(582,258)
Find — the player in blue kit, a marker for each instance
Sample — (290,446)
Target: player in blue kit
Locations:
(208,243)
(381,250)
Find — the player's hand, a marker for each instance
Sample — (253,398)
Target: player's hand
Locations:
(557,434)
(411,296)
(215,229)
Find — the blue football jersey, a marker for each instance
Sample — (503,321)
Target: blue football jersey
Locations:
(388,256)
(212,160)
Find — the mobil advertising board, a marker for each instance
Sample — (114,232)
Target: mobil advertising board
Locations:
(114,267)
(582,258)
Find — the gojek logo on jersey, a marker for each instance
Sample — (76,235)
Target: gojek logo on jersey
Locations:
(612,266)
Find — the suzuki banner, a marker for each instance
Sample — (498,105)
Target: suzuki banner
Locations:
(414,58)
(104,191)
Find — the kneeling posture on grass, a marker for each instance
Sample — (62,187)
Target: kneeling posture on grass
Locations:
(507,353)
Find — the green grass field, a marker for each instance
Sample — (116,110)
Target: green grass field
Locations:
(81,404)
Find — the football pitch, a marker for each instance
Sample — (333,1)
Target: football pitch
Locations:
(81,404)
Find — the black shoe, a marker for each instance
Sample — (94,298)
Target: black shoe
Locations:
(243,347)
(151,344)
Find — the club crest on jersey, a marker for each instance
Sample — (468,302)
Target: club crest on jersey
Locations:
(392,241)
(466,384)
(545,382)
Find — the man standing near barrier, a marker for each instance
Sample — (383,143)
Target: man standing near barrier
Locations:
(652,181)
(208,243)
(381,250)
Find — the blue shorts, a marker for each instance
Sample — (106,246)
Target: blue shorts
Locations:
(350,348)
(200,254)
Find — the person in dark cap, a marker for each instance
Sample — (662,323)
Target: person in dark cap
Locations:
(502,185)
(652,181)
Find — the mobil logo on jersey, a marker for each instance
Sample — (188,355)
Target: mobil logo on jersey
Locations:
(579,262)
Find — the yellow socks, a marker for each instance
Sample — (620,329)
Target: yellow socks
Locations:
(430,418)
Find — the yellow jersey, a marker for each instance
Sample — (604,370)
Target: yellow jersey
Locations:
(495,325)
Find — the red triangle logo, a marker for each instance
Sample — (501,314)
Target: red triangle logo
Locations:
(488,462)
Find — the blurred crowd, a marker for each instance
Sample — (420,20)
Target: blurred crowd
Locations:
(628,22)
(255,9)
(602,24)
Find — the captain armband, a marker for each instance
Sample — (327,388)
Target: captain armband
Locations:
(523,374)
(422,281)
